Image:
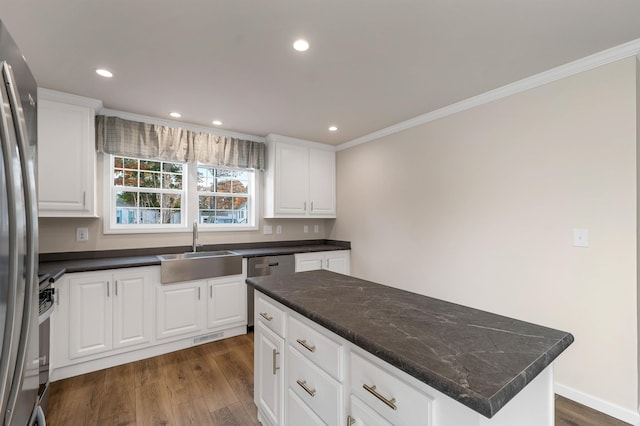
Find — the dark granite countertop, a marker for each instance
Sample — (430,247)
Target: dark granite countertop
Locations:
(478,358)
(57,264)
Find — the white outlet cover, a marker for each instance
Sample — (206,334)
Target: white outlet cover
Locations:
(306,229)
(82,234)
(279,229)
(580,237)
(316,228)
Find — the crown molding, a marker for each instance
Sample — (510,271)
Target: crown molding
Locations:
(605,57)
(171,123)
(68,98)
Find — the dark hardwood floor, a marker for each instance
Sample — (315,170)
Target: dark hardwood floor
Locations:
(211,384)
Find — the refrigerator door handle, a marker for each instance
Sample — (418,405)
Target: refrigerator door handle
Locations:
(31,215)
(15,234)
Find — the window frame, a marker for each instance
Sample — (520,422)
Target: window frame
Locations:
(189,203)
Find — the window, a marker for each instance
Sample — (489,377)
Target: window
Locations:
(223,195)
(160,196)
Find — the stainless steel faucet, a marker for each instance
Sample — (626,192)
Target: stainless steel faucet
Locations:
(195,235)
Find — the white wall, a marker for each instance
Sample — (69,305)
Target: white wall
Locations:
(59,234)
(478,208)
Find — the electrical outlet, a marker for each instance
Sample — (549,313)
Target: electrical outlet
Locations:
(316,228)
(278,229)
(82,234)
(580,237)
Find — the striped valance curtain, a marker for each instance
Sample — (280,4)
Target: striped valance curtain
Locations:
(118,136)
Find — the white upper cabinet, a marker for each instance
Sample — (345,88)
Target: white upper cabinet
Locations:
(300,179)
(66,155)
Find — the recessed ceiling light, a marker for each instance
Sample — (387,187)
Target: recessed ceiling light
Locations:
(301,45)
(175,115)
(217,122)
(104,73)
(333,128)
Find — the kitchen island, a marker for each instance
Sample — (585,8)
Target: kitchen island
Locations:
(435,363)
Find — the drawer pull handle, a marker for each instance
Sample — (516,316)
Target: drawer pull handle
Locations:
(391,403)
(275,367)
(303,342)
(303,385)
(266,316)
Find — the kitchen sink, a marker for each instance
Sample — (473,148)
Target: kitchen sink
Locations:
(198,265)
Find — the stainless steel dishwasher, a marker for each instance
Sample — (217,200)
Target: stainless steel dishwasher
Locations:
(262,266)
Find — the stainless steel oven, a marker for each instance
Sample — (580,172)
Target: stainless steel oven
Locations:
(47,304)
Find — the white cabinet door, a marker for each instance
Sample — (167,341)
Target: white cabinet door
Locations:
(338,261)
(66,152)
(322,183)
(132,308)
(299,414)
(268,371)
(363,415)
(292,179)
(300,179)
(227,303)
(90,323)
(309,261)
(179,308)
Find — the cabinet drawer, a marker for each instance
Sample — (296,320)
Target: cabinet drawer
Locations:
(386,392)
(269,315)
(319,348)
(299,414)
(314,387)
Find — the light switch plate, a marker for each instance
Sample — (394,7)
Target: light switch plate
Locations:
(580,237)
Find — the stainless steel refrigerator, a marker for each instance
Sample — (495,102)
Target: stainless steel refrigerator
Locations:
(18,239)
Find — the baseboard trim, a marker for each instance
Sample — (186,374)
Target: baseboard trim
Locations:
(596,403)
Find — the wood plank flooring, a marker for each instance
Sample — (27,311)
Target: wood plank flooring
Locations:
(210,384)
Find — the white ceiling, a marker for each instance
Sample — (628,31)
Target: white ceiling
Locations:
(371,64)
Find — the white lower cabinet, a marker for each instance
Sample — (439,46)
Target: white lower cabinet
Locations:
(108,310)
(179,309)
(269,375)
(336,261)
(227,301)
(90,314)
(107,318)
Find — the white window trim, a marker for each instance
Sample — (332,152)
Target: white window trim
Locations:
(190,209)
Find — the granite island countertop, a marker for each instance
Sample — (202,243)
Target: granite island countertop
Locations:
(478,358)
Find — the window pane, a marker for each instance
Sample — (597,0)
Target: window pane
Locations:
(130,178)
(130,163)
(150,216)
(171,216)
(118,162)
(171,181)
(205,202)
(150,165)
(172,201)
(172,167)
(149,180)
(205,179)
(118,177)
(126,216)
(240,186)
(149,199)
(126,199)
